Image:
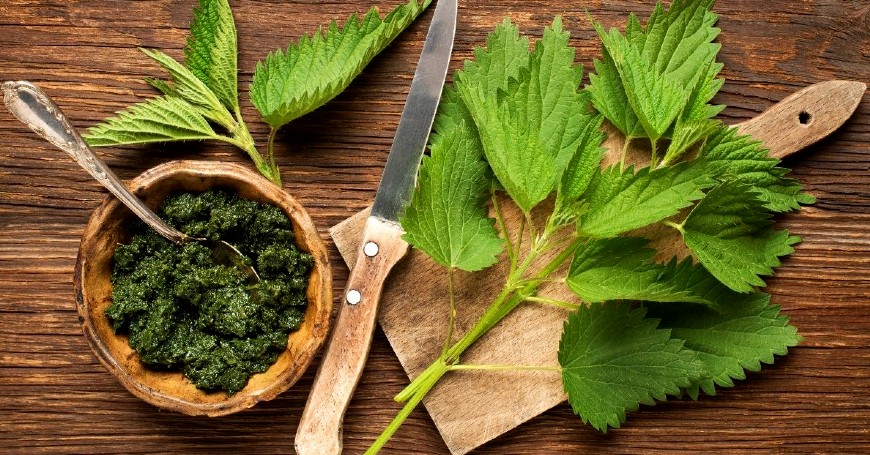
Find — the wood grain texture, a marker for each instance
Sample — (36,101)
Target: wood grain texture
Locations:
(56,398)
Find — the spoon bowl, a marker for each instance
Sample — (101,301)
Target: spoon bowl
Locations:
(109,226)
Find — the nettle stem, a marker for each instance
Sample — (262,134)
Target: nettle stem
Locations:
(518,289)
(625,145)
(242,139)
(504,368)
(270,147)
(553,302)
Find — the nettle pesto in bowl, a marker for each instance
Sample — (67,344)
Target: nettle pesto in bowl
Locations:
(181,310)
(180,331)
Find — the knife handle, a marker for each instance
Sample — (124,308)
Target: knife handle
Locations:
(319,431)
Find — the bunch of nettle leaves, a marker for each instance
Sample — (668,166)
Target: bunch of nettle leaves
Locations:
(515,121)
(203,92)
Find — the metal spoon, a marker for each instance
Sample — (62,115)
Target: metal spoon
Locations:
(35,109)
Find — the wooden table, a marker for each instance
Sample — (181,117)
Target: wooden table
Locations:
(55,396)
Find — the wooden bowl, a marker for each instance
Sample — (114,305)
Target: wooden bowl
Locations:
(109,225)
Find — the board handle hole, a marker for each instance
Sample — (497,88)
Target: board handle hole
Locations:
(805,118)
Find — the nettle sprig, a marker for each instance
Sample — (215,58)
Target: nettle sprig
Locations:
(517,129)
(201,101)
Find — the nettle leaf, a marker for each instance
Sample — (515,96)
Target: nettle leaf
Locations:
(447,217)
(547,99)
(661,74)
(698,107)
(609,97)
(696,122)
(657,100)
(732,156)
(533,126)
(621,268)
(188,87)
(730,232)
(622,201)
(688,133)
(290,84)
(583,165)
(679,42)
(741,336)
(613,360)
(211,50)
(505,54)
(160,119)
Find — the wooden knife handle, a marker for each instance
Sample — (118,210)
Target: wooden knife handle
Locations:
(319,431)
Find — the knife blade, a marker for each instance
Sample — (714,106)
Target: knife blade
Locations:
(382,246)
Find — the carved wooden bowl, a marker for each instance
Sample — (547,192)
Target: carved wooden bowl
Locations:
(108,226)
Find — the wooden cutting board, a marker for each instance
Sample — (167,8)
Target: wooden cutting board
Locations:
(473,407)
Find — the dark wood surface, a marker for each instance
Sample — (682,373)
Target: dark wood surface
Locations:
(56,398)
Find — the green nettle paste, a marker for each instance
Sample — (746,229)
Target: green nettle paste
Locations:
(184,312)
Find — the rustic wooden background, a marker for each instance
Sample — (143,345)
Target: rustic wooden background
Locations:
(55,397)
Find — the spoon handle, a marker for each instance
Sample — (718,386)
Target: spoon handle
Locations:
(35,109)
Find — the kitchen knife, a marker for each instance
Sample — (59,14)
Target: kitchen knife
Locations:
(382,246)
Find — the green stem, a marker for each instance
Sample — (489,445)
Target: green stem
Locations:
(453,353)
(519,245)
(412,403)
(533,233)
(514,293)
(270,147)
(676,226)
(625,146)
(451,324)
(654,157)
(553,302)
(242,139)
(503,227)
(504,368)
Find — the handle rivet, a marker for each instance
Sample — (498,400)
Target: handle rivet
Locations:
(353,297)
(371,249)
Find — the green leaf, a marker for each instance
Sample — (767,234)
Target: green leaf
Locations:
(508,143)
(160,119)
(311,72)
(211,50)
(695,124)
(679,42)
(547,98)
(732,156)
(187,86)
(163,86)
(622,201)
(731,234)
(742,336)
(656,99)
(609,97)
(447,217)
(505,54)
(686,134)
(698,107)
(620,268)
(659,74)
(531,130)
(583,165)
(613,360)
